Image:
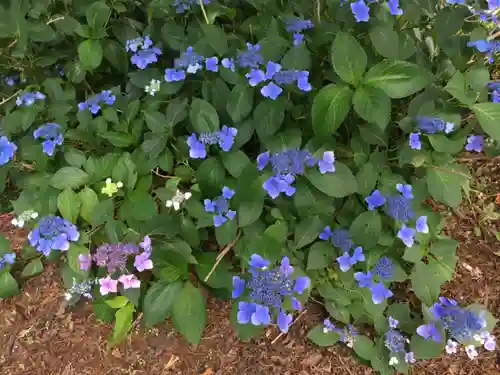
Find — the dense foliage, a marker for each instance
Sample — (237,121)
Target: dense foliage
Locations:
(301,138)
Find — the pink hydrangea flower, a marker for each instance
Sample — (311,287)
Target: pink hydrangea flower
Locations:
(142,262)
(108,285)
(129,281)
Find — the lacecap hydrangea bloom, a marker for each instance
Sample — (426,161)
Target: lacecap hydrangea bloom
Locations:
(153,87)
(429,125)
(53,233)
(374,280)
(93,104)
(144,53)
(7,150)
(347,334)
(265,291)
(287,165)
(224,138)
(396,342)
(220,207)
(78,290)
(339,238)
(28,98)
(190,62)
(52,136)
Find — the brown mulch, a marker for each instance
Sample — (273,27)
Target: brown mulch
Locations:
(38,337)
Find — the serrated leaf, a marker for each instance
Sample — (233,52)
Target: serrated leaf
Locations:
(159,300)
(189,313)
(330,107)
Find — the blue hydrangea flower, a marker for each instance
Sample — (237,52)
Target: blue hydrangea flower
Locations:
(8,258)
(360,11)
(7,150)
(379,293)
(224,138)
(400,208)
(329,326)
(28,98)
(394,8)
(255,76)
(52,135)
(174,75)
(475,143)
(393,323)
(346,261)
(228,63)
(395,341)
(267,290)
(182,6)
(375,199)
(495,91)
(365,280)
(405,190)
(220,206)
(251,58)
(278,184)
(421,225)
(490,47)
(429,331)
(430,125)
(407,235)
(384,268)
(327,163)
(143,58)
(271,90)
(298,25)
(53,233)
(190,61)
(93,104)
(212,64)
(414,141)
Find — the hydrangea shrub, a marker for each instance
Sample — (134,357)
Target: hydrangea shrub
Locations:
(301,138)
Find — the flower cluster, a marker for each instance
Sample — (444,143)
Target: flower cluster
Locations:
(198,146)
(7,150)
(23,218)
(490,47)
(111,188)
(220,206)
(382,271)
(153,87)
(267,290)
(8,258)
(346,261)
(280,77)
(429,125)
(287,165)
(190,62)
(177,199)
(93,104)
(495,91)
(78,290)
(396,342)
(297,26)
(109,285)
(475,143)
(338,237)
(143,53)
(53,233)
(184,5)
(52,136)
(347,334)
(361,11)
(462,324)
(28,98)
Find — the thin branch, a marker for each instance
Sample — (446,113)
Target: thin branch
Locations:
(281,333)
(9,98)
(52,20)
(221,255)
(204,12)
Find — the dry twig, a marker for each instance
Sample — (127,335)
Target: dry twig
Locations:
(221,255)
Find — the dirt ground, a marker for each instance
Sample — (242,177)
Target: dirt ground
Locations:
(38,337)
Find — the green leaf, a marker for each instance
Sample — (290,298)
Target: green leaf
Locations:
(366,229)
(211,175)
(159,300)
(488,115)
(307,231)
(398,79)
(138,205)
(338,184)
(123,324)
(90,53)
(203,116)
(74,157)
(367,178)
(425,349)
(226,233)
(33,268)
(189,313)
(457,87)
(425,283)
(8,285)
(348,58)
(156,121)
(444,184)
(385,41)
(69,177)
(68,204)
(320,338)
(216,38)
(372,105)
(72,254)
(240,102)
(117,302)
(297,58)
(268,117)
(320,255)
(444,250)
(330,107)
(176,111)
(235,162)
(221,277)
(442,143)
(97,15)
(401,312)
(338,312)
(102,212)
(363,347)
(116,55)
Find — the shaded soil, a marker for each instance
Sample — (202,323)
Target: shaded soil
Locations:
(38,337)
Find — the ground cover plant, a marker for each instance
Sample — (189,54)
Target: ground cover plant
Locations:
(267,151)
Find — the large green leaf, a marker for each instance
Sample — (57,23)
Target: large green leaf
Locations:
(307,231)
(240,102)
(337,184)
(348,58)
(189,313)
(159,300)
(123,324)
(488,115)
(90,53)
(398,79)
(366,229)
(8,285)
(444,184)
(69,177)
(426,283)
(321,338)
(69,205)
(372,105)
(203,116)
(330,107)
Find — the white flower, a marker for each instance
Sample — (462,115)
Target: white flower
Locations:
(23,218)
(451,346)
(177,199)
(479,338)
(153,87)
(471,351)
(393,361)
